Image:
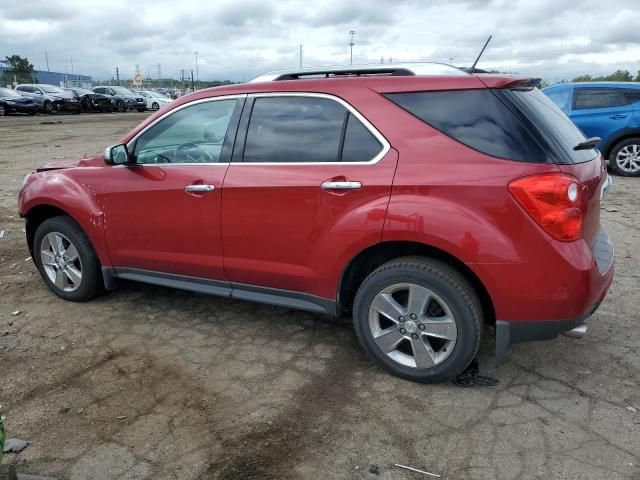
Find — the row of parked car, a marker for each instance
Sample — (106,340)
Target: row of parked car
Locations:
(34,98)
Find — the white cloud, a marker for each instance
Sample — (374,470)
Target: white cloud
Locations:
(239,39)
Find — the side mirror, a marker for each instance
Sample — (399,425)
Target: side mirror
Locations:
(117,155)
(37,92)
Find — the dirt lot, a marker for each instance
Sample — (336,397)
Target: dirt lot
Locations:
(150,383)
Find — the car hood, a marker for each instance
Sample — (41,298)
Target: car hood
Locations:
(16,99)
(63,164)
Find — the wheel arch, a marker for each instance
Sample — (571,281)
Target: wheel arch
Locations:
(43,211)
(367,260)
(611,143)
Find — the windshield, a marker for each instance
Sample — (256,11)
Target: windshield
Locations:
(51,89)
(157,95)
(8,93)
(122,91)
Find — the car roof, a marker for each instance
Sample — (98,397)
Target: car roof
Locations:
(601,84)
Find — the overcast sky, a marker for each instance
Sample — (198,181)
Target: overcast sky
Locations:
(239,39)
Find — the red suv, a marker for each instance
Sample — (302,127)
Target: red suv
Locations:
(424,201)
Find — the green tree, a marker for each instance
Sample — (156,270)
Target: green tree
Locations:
(20,68)
(637,79)
(583,78)
(619,76)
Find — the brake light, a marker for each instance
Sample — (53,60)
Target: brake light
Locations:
(552,200)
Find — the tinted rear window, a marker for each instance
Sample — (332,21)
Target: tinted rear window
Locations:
(598,98)
(552,123)
(476,118)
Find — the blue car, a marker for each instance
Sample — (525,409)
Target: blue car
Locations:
(609,110)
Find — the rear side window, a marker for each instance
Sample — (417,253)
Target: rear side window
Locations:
(359,143)
(632,96)
(310,129)
(476,118)
(294,129)
(598,98)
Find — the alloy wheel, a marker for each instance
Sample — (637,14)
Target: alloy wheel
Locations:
(412,325)
(628,158)
(61,261)
(3,112)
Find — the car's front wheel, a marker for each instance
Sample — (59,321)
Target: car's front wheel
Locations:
(419,318)
(49,108)
(121,107)
(3,110)
(66,260)
(625,158)
(155,106)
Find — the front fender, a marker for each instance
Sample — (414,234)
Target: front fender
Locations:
(65,191)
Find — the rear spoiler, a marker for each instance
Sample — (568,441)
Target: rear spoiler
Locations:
(509,83)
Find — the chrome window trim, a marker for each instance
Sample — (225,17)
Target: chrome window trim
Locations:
(169,113)
(386,146)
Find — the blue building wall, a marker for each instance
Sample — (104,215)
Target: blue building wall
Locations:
(58,78)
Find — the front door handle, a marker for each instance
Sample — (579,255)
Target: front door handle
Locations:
(198,188)
(618,116)
(347,185)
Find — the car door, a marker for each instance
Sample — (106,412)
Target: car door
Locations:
(600,112)
(162,213)
(308,186)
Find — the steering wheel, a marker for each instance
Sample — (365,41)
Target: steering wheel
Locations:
(191,152)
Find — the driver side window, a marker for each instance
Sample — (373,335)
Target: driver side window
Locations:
(193,134)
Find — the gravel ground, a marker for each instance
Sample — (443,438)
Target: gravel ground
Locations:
(150,383)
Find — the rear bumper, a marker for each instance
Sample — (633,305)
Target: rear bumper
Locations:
(588,289)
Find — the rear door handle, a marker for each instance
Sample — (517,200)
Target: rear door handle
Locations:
(617,116)
(198,188)
(348,185)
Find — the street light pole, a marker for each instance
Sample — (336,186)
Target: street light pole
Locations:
(351,44)
(197,73)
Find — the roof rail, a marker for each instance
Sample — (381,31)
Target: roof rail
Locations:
(398,69)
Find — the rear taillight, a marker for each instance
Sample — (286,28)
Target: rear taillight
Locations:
(553,201)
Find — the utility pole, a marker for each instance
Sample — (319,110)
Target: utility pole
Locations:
(159,71)
(351,44)
(137,68)
(117,76)
(182,81)
(193,87)
(72,73)
(46,57)
(300,55)
(197,72)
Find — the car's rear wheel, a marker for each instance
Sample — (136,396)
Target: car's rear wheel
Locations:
(419,318)
(66,260)
(625,158)
(3,110)
(120,107)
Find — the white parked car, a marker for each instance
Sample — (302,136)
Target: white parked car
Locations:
(155,100)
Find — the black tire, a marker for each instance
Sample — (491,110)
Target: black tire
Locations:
(91,283)
(450,286)
(3,110)
(121,107)
(48,108)
(613,163)
(155,106)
